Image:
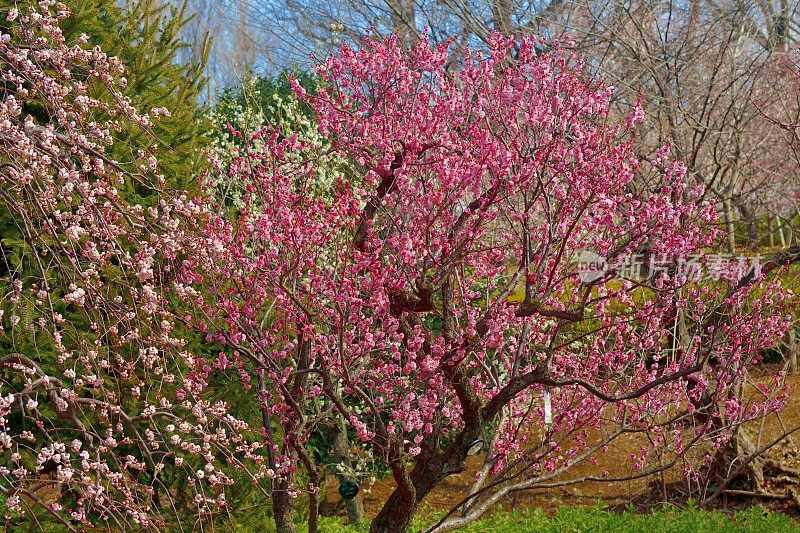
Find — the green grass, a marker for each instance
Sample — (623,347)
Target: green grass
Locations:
(532,520)
(598,520)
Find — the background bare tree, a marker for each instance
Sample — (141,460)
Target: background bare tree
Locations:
(705,70)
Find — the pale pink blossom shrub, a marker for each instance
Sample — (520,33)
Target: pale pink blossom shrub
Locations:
(90,351)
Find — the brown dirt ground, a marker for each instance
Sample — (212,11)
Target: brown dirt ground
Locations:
(642,493)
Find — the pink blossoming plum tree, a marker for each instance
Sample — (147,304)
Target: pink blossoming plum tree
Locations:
(434,302)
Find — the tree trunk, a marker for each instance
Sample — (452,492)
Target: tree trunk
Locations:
(771,232)
(792,347)
(750,220)
(316,478)
(731,229)
(313,512)
(282,503)
(725,467)
(737,459)
(325,508)
(752,230)
(501,16)
(396,514)
(282,507)
(341,452)
(403,21)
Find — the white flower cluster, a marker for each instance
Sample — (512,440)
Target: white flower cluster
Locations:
(241,128)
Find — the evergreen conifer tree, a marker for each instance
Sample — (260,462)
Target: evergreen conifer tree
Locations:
(146,35)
